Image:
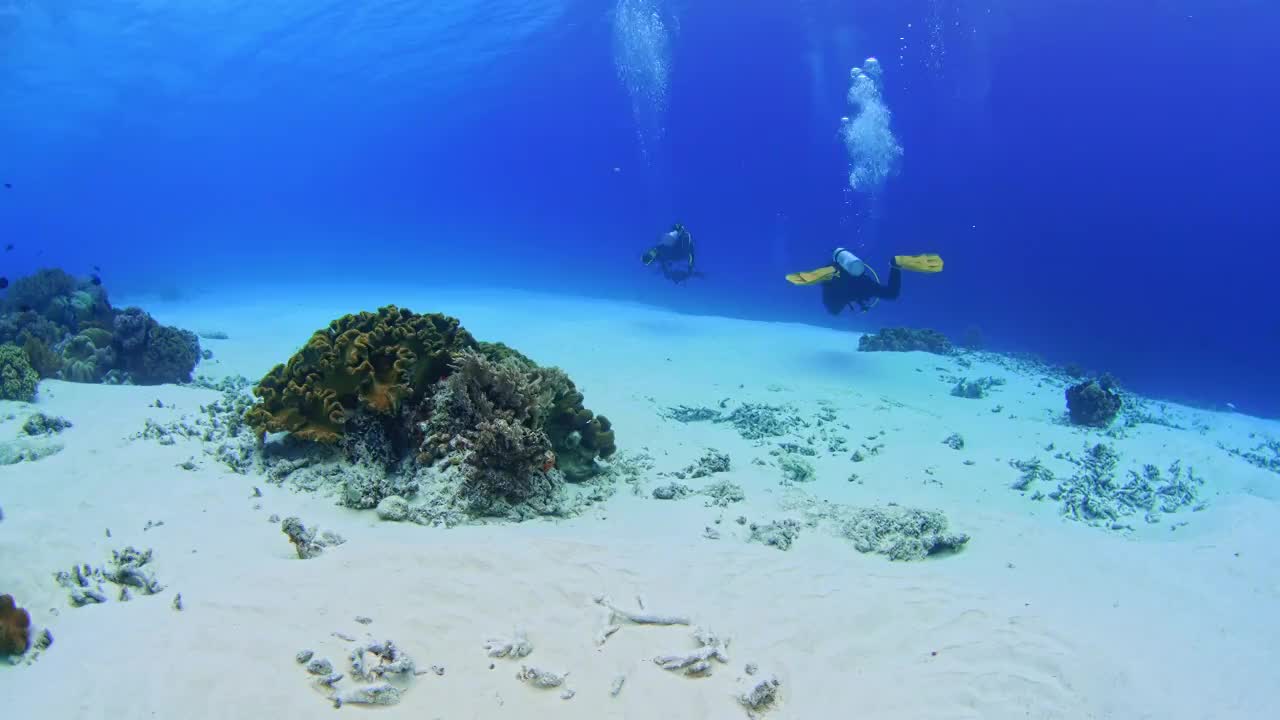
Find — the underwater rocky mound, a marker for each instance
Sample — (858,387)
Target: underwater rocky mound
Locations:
(410,401)
(904,339)
(66,328)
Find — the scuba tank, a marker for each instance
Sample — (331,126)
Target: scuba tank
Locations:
(848,262)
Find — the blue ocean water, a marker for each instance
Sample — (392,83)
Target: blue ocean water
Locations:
(1097,175)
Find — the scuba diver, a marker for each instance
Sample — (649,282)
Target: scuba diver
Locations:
(848,280)
(673,250)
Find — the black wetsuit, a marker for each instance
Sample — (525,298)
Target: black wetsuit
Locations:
(843,290)
(675,248)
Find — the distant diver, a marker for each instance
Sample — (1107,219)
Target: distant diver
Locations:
(674,253)
(848,281)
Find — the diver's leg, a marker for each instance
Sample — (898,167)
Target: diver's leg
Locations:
(894,288)
(834,299)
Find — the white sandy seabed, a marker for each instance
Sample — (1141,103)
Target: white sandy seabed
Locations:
(1037,617)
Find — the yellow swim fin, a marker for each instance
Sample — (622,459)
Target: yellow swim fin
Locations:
(919,263)
(812,277)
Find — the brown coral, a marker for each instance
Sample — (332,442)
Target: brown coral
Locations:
(500,385)
(374,362)
(15,627)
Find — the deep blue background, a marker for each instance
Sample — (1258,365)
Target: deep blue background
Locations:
(1100,176)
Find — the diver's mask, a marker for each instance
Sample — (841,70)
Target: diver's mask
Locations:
(848,262)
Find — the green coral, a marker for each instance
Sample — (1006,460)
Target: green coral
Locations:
(39,291)
(84,362)
(99,337)
(46,362)
(18,380)
(371,362)
(169,357)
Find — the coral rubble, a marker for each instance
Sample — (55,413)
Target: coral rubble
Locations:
(697,663)
(975,389)
(778,533)
(901,533)
(305,540)
(1094,495)
(128,569)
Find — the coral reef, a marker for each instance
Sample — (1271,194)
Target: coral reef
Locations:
(18,380)
(38,292)
(906,340)
(68,329)
(44,361)
(1094,402)
(15,627)
(423,412)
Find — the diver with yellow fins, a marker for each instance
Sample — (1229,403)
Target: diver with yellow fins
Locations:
(849,280)
(674,253)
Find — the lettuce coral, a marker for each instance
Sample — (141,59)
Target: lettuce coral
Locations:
(435,393)
(371,362)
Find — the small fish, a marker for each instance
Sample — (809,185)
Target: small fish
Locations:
(8,247)
(8,186)
(97,269)
(4,282)
(25,308)
(95,279)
